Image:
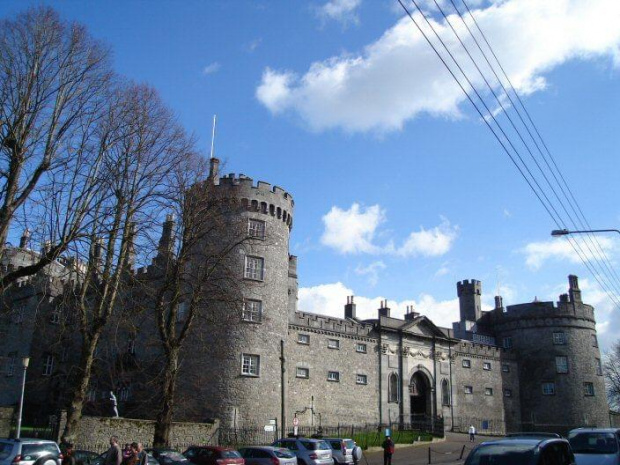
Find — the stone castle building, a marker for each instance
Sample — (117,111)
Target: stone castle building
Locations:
(528,366)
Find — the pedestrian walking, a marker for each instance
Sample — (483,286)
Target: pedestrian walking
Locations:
(68,458)
(388,450)
(114,456)
(472,434)
(143,458)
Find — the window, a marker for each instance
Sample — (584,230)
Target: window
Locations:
(256,228)
(507,342)
(333,343)
(469,390)
(559,338)
(561,364)
(182,309)
(507,392)
(254,268)
(599,367)
(250,364)
(393,388)
(548,389)
(303,339)
(361,379)
(10,363)
(55,316)
(588,389)
(131,345)
(124,393)
(488,391)
(48,365)
(486,366)
(333,376)
(252,311)
(466,363)
(361,348)
(445,392)
(506,367)
(594,341)
(303,372)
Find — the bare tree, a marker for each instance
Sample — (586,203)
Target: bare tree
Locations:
(141,143)
(612,375)
(53,83)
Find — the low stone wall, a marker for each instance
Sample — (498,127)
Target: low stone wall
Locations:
(95,432)
(6,420)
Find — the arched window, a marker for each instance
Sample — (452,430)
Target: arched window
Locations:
(393,388)
(445,392)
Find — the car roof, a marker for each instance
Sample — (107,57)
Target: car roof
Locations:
(337,439)
(30,441)
(263,447)
(533,435)
(524,441)
(218,448)
(595,430)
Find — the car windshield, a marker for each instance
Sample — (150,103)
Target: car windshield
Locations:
(283,454)
(172,455)
(350,443)
(39,449)
(318,445)
(589,442)
(5,450)
(230,454)
(501,454)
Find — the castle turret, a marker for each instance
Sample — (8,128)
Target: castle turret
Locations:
(166,241)
(499,302)
(469,299)
(214,166)
(573,288)
(292,284)
(23,242)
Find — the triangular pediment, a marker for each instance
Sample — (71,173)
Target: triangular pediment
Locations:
(422,326)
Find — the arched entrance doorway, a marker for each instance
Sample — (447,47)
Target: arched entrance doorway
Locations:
(420,392)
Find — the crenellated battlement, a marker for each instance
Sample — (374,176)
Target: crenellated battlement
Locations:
(314,322)
(469,287)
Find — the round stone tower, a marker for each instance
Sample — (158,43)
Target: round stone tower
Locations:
(560,374)
(242,356)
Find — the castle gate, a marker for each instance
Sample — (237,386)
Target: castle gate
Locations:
(420,392)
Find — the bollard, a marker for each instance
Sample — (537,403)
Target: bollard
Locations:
(462,452)
(429,455)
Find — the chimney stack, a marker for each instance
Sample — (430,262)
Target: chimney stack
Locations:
(384,309)
(349,308)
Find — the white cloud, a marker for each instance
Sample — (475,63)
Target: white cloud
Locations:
(372,271)
(254,44)
(329,299)
(354,231)
(537,253)
(398,76)
(212,68)
(344,11)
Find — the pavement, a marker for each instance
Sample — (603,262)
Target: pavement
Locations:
(447,450)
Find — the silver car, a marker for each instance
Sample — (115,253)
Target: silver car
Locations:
(267,455)
(308,451)
(342,450)
(595,445)
(29,452)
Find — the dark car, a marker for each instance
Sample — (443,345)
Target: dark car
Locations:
(85,457)
(213,455)
(267,455)
(168,456)
(596,445)
(100,460)
(518,451)
(532,435)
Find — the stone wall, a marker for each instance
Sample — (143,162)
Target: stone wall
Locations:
(95,432)
(6,419)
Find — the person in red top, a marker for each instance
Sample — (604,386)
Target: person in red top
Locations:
(388,450)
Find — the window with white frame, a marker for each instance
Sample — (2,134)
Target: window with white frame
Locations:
(507,392)
(488,391)
(466,363)
(254,268)
(48,365)
(561,364)
(469,390)
(599,367)
(333,343)
(182,309)
(506,367)
(256,228)
(486,366)
(507,342)
(10,363)
(559,338)
(588,389)
(252,310)
(303,372)
(361,379)
(303,339)
(548,389)
(333,376)
(361,348)
(250,364)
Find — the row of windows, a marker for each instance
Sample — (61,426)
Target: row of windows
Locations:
(48,362)
(548,389)
(561,365)
(414,390)
(331,375)
(559,338)
(466,363)
(332,343)
(488,391)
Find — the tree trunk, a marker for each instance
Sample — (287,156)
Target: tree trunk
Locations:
(163,422)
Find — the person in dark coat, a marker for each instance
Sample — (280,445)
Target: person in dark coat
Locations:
(114,456)
(388,450)
(68,458)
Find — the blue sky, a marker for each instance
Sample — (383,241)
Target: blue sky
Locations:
(400,189)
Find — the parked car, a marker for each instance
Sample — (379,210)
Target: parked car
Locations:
(100,460)
(519,451)
(342,450)
(168,456)
(267,455)
(29,452)
(85,457)
(308,451)
(596,445)
(532,435)
(213,455)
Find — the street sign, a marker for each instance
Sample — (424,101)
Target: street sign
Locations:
(270,428)
(295,421)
